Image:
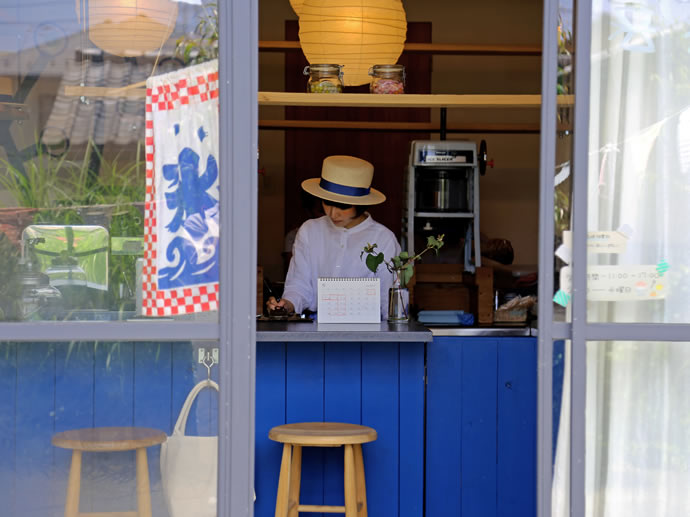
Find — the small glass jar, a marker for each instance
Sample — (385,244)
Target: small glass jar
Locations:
(324,78)
(387,79)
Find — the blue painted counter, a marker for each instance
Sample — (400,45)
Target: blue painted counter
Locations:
(463,445)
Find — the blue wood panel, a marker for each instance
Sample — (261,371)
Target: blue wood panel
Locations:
(153,385)
(478,475)
(74,401)
(114,384)
(381,410)
(411,386)
(270,412)
(152,407)
(8,391)
(443,437)
(108,478)
(517,427)
(481,427)
(184,377)
(304,388)
(342,403)
(34,427)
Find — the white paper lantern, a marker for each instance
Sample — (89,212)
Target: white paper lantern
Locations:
(130,28)
(355,33)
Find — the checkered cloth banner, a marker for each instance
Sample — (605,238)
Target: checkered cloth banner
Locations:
(180,273)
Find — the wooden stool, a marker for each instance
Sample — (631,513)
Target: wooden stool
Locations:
(109,439)
(321,434)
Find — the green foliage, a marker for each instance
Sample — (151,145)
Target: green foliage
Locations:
(53,183)
(122,271)
(63,190)
(402,265)
(10,286)
(41,186)
(202,44)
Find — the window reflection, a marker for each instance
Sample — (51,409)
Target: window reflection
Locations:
(72,148)
(108,393)
(638,161)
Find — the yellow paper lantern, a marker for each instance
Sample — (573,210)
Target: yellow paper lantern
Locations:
(129,28)
(355,33)
(296,6)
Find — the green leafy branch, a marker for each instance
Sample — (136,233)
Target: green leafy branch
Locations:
(202,45)
(401,265)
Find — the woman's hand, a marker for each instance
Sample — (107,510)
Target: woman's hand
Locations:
(272,304)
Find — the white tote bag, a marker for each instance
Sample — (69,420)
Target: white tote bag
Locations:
(189,466)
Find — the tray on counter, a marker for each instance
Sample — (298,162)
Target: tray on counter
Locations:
(457,318)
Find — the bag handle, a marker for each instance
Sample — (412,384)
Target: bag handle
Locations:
(181,424)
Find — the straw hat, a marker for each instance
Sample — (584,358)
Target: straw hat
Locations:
(345,179)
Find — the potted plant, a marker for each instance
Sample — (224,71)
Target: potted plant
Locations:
(402,267)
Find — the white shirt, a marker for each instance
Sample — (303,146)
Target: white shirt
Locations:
(323,249)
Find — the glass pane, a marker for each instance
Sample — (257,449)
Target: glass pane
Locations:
(639,163)
(108,210)
(637,441)
(564,150)
(560,396)
(103,397)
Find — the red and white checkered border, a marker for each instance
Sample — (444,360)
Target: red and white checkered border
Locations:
(171,302)
(195,90)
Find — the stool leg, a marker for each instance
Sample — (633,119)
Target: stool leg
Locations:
(361,484)
(73,486)
(283,483)
(350,485)
(295,480)
(143,488)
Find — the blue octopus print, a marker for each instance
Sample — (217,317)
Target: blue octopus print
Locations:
(193,252)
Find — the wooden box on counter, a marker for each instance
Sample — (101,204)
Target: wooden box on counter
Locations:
(450,287)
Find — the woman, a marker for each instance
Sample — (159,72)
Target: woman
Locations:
(330,246)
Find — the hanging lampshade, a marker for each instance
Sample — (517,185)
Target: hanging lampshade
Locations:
(355,33)
(296,6)
(129,28)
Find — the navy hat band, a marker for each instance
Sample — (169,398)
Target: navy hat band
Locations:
(345,190)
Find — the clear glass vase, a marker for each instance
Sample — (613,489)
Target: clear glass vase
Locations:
(398,303)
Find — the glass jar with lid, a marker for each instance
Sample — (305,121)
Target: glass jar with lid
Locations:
(324,78)
(387,79)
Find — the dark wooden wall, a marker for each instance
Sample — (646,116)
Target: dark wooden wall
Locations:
(305,149)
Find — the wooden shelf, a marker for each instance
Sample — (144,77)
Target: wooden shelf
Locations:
(417,127)
(427,48)
(364,100)
(352,100)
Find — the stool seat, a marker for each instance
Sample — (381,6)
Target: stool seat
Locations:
(322,434)
(108,439)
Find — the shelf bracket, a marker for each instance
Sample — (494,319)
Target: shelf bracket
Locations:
(444,115)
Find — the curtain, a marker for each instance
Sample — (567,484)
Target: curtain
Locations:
(638,394)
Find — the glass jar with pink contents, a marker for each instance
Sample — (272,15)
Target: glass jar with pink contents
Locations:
(387,79)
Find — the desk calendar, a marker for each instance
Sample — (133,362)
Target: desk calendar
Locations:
(349,300)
